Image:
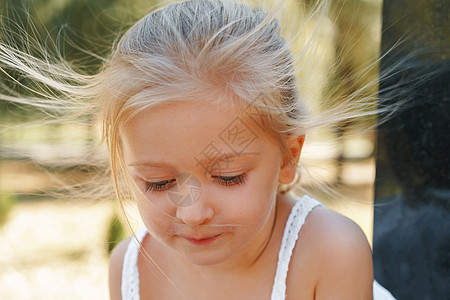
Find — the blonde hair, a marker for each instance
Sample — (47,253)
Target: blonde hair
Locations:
(194,47)
(178,52)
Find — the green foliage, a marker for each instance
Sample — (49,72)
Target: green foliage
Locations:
(116,233)
(81,32)
(7,202)
(358,34)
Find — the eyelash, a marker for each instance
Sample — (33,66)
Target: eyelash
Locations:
(232,180)
(159,186)
(162,186)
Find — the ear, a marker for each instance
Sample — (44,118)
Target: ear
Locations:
(290,160)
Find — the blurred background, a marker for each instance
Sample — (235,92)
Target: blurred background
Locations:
(57,248)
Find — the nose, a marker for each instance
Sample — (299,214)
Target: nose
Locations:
(197,214)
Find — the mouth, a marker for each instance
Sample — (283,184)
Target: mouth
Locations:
(202,241)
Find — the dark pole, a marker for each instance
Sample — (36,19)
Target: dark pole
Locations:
(412,186)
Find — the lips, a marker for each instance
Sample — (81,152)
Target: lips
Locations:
(202,241)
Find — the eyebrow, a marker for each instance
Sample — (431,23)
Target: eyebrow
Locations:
(222,157)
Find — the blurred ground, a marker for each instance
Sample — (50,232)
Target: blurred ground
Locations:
(55,249)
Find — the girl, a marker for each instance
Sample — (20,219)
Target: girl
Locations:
(205,127)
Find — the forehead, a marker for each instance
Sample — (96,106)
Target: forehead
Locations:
(182,117)
(190,128)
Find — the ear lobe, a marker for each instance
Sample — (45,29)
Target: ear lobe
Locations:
(290,160)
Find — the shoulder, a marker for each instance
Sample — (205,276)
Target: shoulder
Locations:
(333,233)
(339,256)
(115,268)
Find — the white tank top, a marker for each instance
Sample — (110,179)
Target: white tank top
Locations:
(301,209)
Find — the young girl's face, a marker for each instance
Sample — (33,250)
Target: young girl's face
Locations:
(209,177)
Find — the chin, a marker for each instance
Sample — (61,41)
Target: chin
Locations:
(206,255)
(206,259)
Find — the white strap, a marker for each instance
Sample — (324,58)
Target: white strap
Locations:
(130,272)
(294,223)
(380,293)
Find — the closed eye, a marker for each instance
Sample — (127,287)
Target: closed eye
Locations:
(232,180)
(159,186)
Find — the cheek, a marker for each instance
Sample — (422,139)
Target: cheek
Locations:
(155,211)
(251,204)
(262,194)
